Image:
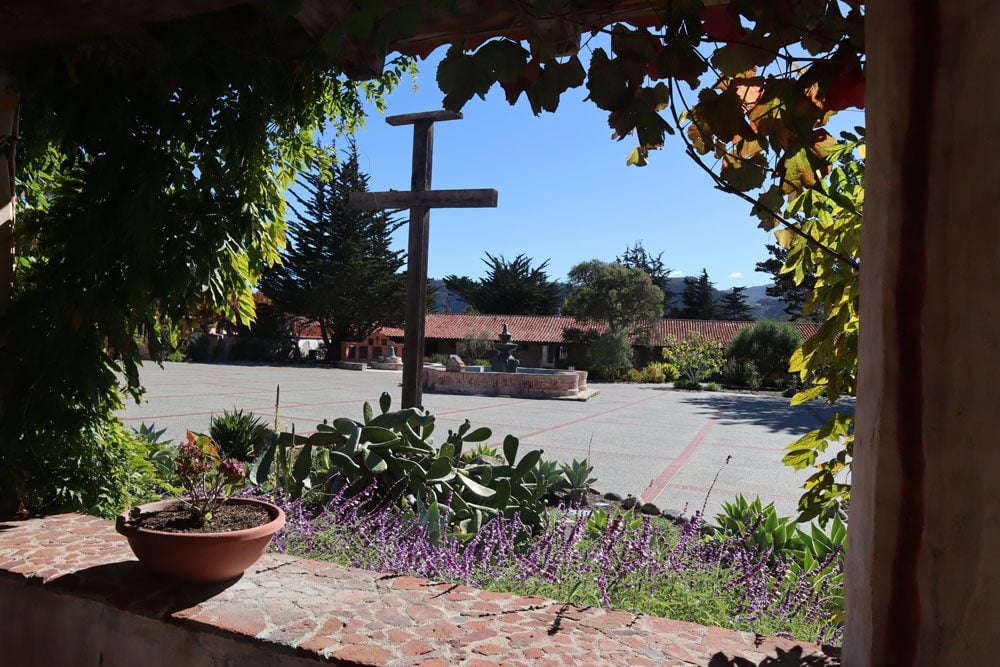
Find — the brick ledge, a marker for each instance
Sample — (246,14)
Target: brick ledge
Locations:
(61,571)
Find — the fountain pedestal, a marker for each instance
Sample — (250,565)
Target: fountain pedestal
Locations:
(504,361)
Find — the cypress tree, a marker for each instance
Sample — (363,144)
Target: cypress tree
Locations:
(696,301)
(338,270)
(734,305)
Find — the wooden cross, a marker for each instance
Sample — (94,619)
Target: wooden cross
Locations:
(420,200)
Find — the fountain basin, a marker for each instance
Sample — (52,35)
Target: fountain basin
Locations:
(525,383)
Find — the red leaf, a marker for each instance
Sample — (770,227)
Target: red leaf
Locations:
(722,23)
(847,90)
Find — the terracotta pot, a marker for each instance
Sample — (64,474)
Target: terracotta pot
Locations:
(200,557)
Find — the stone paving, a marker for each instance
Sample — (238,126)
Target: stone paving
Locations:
(651,441)
(329,613)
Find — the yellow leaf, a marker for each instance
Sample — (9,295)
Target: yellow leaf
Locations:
(785,237)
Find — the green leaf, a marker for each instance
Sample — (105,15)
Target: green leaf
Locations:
(385,402)
(510,446)
(303,463)
(502,496)
(473,486)
(527,462)
(439,469)
(609,89)
(262,466)
(479,435)
(368,413)
(375,463)
(377,435)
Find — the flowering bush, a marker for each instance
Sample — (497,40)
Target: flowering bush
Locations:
(207,478)
(646,565)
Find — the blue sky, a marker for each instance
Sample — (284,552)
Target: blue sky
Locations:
(565,192)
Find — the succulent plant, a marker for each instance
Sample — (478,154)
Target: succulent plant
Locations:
(578,479)
(394,453)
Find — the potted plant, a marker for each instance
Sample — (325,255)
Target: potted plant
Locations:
(206,536)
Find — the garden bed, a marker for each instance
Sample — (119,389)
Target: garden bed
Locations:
(72,577)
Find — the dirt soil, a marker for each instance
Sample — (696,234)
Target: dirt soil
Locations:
(179,519)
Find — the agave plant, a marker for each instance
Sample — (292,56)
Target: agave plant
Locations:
(236,433)
(578,479)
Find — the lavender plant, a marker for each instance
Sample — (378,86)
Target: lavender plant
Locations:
(625,561)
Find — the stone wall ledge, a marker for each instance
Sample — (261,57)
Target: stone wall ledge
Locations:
(73,594)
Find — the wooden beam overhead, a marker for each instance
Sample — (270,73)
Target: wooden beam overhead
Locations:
(474,198)
(30,24)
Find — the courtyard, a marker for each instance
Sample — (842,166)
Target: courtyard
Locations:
(651,441)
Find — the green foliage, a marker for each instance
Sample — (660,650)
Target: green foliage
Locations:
(102,470)
(394,453)
(784,286)
(577,479)
(624,298)
(199,347)
(207,478)
(634,375)
(768,345)
(161,454)
(695,356)
(659,371)
(697,300)
(610,355)
(686,384)
(236,433)
(827,363)
(742,374)
(637,257)
(436,358)
(475,346)
(764,529)
(132,213)
(512,287)
(734,306)
(712,386)
(599,520)
(339,269)
(652,375)
(177,357)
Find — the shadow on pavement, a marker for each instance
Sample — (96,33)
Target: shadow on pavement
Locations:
(773,413)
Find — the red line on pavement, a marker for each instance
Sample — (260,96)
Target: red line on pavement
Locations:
(188,414)
(587,418)
(657,486)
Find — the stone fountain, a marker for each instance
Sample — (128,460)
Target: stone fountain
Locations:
(504,361)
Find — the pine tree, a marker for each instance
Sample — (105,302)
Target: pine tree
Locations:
(696,300)
(637,257)
(338,270)
(784,287)
(512,287)
(734,305)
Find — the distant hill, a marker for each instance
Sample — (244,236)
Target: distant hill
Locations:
(764,307)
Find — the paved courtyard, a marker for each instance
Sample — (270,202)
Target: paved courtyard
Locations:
(648,440)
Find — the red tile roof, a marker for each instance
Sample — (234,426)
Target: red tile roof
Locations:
(549,329)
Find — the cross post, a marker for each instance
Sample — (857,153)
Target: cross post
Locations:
(420,200)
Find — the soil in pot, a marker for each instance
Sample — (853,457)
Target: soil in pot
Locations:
(179,519)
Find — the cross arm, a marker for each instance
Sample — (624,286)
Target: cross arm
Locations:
(474,198)
(432,116)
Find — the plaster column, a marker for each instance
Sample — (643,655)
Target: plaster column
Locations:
(923,565)
(8,133)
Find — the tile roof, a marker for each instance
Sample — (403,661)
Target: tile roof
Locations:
(549,329)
